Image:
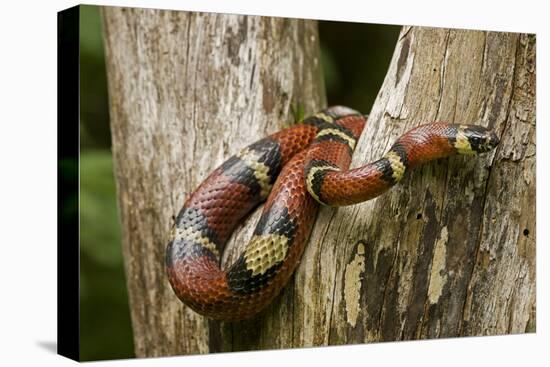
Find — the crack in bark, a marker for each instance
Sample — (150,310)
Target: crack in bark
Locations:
(442,74)
(194,118)
(386,285)
(512,92)
(333,283)
(481,227)
(456,103)
(481,72)
(406,33)
(510,306)
(252,75)
(478,250)
(292,310)
(483,56)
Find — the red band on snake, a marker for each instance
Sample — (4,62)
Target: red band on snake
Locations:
(295,170)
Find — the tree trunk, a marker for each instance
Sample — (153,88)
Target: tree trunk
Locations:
(450,251)
(188,90)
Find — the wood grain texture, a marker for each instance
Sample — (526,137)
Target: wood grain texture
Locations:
(450,251)
(188,90)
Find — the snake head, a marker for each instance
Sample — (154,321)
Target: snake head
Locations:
(481,139)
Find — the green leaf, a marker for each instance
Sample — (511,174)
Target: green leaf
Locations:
(99,226)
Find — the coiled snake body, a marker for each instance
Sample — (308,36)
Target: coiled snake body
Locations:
(295,170)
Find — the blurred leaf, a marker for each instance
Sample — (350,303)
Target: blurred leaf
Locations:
(100,232)
(90,22)
(94,106)
(330,70)
(105,328)
(355,58)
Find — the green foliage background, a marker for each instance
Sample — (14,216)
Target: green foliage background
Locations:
(355,58)
(105,328)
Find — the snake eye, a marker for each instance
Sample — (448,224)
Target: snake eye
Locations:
(475,141)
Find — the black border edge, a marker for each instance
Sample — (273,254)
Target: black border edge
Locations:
(68,297)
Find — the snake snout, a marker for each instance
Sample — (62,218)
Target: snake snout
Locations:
(488,142)
(481,139)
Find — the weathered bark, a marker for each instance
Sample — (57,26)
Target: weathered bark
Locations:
(448,252)
(188,90)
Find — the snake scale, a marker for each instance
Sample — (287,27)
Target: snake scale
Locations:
(293,171)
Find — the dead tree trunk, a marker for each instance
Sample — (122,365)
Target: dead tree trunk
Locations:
(188,90)
(448,252)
